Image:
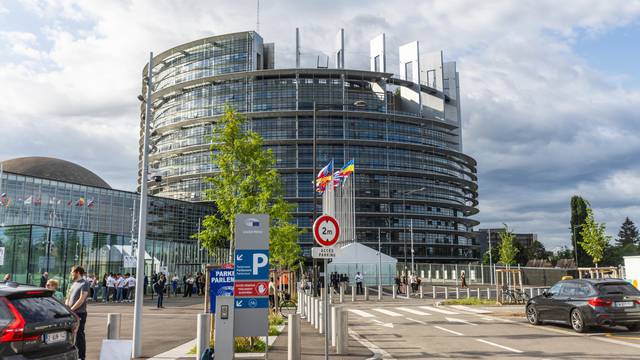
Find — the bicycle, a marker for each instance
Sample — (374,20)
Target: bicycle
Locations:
(515,296)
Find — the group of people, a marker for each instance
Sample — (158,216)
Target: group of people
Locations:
(402,283)
(190,284)
(338,280)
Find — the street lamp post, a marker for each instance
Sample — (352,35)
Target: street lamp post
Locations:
(136,350)
(404,221)
(360,104)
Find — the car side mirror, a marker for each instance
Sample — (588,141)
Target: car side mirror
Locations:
(547,294)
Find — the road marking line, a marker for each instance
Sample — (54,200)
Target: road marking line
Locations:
(590,336)
(500,346)
(460,321)
(450,331)
(439,310)
(611,335)
(389,325)
(472,310)
(490,318)
(386,312)
(412,311)
(378,353)
(362,313)
(418,321)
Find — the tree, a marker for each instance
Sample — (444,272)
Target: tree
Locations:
(595,238)
(579,208)
(537,251)
(628,234)
(246,182)
(508,250)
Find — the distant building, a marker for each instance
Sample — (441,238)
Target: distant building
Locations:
(482,236)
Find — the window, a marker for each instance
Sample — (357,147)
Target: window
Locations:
(408,71)
(555,289)
(376,63)
(431,78)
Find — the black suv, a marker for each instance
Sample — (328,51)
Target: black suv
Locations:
(34,325)
(587,302)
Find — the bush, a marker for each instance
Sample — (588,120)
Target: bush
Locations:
(469,301)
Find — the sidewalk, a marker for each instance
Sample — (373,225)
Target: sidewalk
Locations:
(313,346)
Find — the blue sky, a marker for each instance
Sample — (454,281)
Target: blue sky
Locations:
(550,91)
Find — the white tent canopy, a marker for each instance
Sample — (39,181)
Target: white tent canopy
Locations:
(356,253)
(357,258)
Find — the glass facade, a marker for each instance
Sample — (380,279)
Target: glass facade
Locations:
(397,148)
(48,225)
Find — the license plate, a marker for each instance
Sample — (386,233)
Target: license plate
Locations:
(56,337)
(621,304)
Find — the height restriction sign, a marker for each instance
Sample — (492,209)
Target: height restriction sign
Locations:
(326,230)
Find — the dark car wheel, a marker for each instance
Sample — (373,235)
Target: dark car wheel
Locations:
(633,327)
(532,315)
(577,321)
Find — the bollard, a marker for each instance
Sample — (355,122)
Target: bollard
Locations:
(341,293)
(433,288)
(113,326)
(311,311)
(203,334)
(316,313)
(335,312)
(342,337)
(446,292)
(353,293)
(468,293)
(421,292)
(314,316)
(366,293)
(380,292)
(408,289)
(538,291)
(530,292)
(321,323)
(294,339)
(478,293)
(457,293)
(488,294)
(395,292)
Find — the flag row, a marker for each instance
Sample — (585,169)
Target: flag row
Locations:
(327,176)
(6,201)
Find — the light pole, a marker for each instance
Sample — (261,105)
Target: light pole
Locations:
(404,221)
(136,350)
(360,104)
(490,258)
(575,242)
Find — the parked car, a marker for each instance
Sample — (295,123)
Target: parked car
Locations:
(34,325)
(583,303)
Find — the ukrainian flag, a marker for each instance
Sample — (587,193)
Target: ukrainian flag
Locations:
(348,168)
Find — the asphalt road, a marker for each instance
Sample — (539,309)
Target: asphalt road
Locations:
(416,329)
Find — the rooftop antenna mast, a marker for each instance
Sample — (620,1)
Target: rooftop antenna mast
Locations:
(258,16)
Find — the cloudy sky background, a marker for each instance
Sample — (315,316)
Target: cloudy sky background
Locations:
(551,94)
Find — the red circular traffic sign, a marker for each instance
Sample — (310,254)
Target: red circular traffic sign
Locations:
(326,230)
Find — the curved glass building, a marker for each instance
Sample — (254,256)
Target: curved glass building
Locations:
(413,184)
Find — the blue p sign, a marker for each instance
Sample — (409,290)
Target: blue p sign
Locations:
(259,260)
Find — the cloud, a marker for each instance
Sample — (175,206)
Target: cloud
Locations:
(542,123)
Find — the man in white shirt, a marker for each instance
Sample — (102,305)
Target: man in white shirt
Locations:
(111,283)
(131,287)
(359,289)
(120,287)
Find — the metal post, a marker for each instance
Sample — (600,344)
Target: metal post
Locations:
(341,293)
(413,269)
(468,292)
(366,293)
(325,311)
(379,266)
(395,291)
(342,337)
(334,324)
(488,293)
(478,293)
(434,291)
(294,352)
(421,292)
(457,293)
(353,293)
(321,318)
(113,326)
(446,292)
(490,258)
(203,334)
(136,350)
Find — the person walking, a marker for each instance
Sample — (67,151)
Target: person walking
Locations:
(359,289)
(159,289)
(463,280)
(398,284)
(43,279)
(190,282)
(77,302)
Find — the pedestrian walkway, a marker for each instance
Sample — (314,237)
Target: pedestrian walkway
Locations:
(415,310)
(313,346)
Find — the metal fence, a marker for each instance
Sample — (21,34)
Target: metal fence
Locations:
(484,274)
